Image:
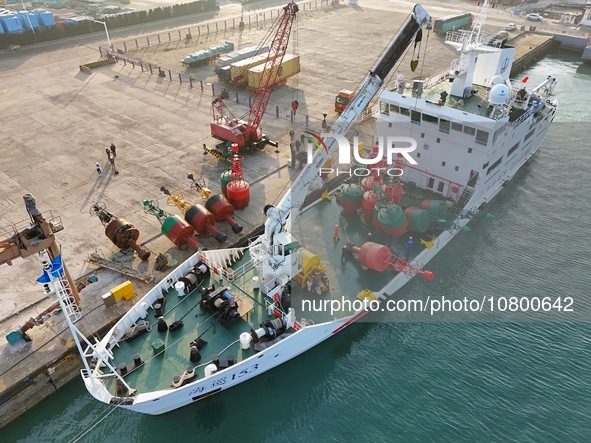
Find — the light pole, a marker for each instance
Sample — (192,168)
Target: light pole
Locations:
(106,31)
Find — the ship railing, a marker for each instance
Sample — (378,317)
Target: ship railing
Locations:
(520,120)
(432,81)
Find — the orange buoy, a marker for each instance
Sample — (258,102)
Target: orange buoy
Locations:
(375,256)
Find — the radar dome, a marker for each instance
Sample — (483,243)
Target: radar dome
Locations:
(496,80)
(498,94)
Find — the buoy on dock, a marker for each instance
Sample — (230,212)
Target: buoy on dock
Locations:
(196,215)
(122,233)
(175,228)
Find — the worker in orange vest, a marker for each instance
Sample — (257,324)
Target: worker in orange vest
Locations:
(335,235)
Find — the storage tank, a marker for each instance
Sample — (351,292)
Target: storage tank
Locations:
(418,219)
(390,219)
(351,197)
(289,66)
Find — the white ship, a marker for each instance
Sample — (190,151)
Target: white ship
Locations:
(226,316)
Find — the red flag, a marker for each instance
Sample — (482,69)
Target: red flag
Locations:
(525,79)
(478,4)
(492,6)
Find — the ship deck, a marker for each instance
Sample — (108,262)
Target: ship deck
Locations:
(314,230)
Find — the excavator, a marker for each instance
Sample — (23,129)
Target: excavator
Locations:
(34,238)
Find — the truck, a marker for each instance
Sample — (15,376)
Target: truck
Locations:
(451,23)
(342,99)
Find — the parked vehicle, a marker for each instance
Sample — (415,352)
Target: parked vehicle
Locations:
(511,27)
(534,17)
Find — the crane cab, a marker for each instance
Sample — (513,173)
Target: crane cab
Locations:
(342,99)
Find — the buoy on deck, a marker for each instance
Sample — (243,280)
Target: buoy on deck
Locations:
(418,219)
(210,369)
(390,219)
(351,198)
(368,204)
(375,256)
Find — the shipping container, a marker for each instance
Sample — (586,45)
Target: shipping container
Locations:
(239,70)
(202,57)
(452,23)
(236,56)
(290,66)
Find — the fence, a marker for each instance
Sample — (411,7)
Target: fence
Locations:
(119,50)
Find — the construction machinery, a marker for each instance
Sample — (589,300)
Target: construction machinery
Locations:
(35,237)
(276,243)
(246,131)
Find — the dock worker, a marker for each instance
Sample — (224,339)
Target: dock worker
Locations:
(335,235)
(99,170)
(113,150)
(408,247)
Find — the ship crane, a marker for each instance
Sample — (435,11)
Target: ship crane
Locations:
(275,246)
(36,238)
(246,131)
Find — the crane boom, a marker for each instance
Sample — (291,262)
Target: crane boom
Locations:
(246,131)
(279,217)
(271,70)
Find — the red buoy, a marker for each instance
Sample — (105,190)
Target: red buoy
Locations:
(368,182)
(238,192)
(375,256)
(394,192)
(223,211)
(179,231)
(202,220)
(368,204)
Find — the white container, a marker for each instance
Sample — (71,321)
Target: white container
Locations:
(210,369)
(255,282)
(179,286)
(245,340)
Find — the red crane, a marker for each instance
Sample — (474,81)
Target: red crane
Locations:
(245,131)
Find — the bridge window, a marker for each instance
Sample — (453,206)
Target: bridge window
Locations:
(469,130)
(404,111)
(529,134)
(481,137)
(430,118)
(456,126)
(395,109)
(444,126)
(494,165)
(415,117)
(384,108)
(512,150)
